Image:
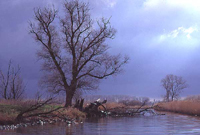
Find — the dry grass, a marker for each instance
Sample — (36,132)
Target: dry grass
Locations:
(113,105)
(71,113)
(6,119)
(10,102)
(190,107)
(9,111)
(74,113)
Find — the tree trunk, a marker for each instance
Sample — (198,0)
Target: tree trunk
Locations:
(81,105)
(167,96)
(172,97)
(69,97)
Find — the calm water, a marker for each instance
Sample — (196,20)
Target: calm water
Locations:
(170,124)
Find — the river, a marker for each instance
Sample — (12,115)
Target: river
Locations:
(169,124)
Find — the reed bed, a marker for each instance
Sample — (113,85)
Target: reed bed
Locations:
(188,106)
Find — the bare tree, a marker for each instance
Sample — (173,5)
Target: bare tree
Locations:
(173,85)
(74,53)
(11,83)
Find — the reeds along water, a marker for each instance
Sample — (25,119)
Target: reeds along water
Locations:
(190,106)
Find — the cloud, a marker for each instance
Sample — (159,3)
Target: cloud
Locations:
(186,4)
(109,3)
(185,38)
(180,31)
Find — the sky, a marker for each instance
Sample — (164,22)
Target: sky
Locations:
(160,37)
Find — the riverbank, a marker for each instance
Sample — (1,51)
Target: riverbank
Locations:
(9,110)
(188,107)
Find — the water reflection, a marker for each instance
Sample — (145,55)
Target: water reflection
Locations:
(171,124)
(69,130)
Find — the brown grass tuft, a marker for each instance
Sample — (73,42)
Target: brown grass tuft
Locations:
(71,113)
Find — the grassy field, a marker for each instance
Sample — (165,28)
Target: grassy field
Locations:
(189,106)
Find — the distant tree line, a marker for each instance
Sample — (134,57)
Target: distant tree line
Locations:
(124,99)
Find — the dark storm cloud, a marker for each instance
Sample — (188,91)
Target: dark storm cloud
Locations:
(15,42)
(160,37)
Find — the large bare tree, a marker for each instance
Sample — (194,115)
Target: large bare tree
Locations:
(74,49)
(173,85)
(11,83)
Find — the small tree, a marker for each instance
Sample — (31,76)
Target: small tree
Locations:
(173,85)
(75,53)
(11,84)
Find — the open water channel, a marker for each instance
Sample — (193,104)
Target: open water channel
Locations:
(169,124)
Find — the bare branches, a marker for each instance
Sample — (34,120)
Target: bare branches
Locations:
(76,53)
(32,110)
(173,85)
(5,82)
(46,34)
(11,86)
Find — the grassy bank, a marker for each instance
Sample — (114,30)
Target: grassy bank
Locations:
(9,110)
(188,106)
